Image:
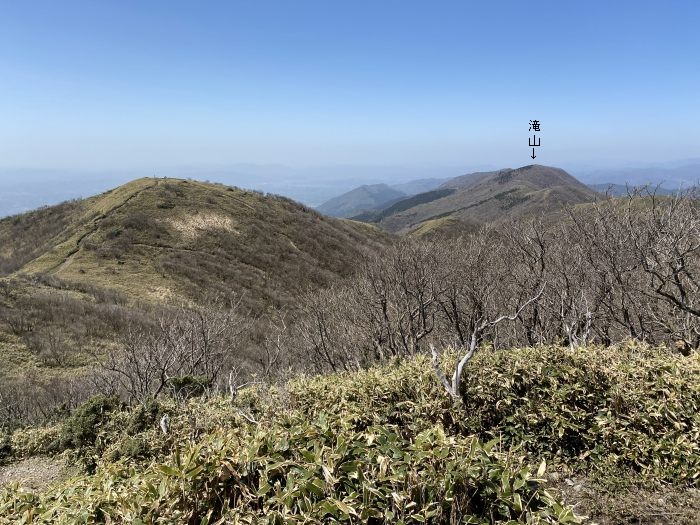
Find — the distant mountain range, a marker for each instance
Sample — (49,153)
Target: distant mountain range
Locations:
(619,190)
(26,189)
(23,190)
(419,186)
(469,200)
(373,197)
(366,197)
(670,177)
(466,201)
(370,202)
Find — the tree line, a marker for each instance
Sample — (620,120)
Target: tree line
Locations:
(601,273)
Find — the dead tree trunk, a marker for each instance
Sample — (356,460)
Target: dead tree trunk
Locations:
(453,387)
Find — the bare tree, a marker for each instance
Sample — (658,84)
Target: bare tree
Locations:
(613,272)
(20,320)
(529,245)
(276,344)
(666,240)
(453,387)
(187,341)
(401,287)
(325,331)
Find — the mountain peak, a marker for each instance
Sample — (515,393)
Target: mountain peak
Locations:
(360,199)
(179,239)
(490,196)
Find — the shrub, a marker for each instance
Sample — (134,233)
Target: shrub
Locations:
(611,411)
(143,416)
(188,386)
(387,445)
(129,448)
(5,446)
(307,471)
(35,441)
(81,428)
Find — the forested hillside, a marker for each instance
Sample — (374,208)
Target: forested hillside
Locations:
(159,238)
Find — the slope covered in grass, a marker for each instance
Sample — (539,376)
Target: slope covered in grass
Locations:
(489,197)
(384,445)
(73,276)
(180,239)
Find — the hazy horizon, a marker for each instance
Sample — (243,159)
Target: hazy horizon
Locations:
(131,86)
(313,98)
(25,189)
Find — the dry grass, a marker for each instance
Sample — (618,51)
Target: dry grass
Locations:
(163,241)
(193,226)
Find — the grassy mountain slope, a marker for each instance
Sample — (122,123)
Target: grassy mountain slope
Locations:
(27,236)
(168,238)
(488,197)
(363,198)
(386,445)
(73,276)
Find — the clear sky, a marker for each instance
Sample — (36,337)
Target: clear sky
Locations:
(130,85)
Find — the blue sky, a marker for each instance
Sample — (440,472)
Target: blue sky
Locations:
(137,85)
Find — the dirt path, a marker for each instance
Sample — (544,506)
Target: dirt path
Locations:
(643,506)
(35,473)
(95,226)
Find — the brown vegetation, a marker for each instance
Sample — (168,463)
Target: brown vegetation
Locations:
(489,197)
(611,271)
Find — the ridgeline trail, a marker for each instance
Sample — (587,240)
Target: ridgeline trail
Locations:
(93,229)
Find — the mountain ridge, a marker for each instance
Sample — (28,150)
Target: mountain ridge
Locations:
(360,199)
(484,197)
(171,237)
(369,198)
